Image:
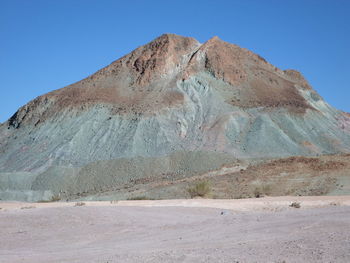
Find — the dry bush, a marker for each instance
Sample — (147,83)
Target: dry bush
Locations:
(140,197)
(43,201)
(241,196)
(79,204)
(334,203)
(201,189)
(257,192)
(295,205)
(54,198)
(262,191)
(28,207)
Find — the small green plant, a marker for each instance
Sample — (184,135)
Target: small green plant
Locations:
(201,189)
(295,205)
(79,204)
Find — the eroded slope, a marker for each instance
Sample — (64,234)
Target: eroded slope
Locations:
(173,94)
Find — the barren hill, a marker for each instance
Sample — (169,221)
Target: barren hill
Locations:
(171,108)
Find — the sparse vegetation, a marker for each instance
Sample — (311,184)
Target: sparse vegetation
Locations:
(79,204)
(295,205)
(241,196)
(54,198)
(28,207)
(44,201)
(141,197)
(262,191)
(201,189)
(334,203)
(257,192)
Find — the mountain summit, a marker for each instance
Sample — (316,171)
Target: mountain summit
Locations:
(171,107)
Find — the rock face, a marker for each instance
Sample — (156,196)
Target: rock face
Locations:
(175,106)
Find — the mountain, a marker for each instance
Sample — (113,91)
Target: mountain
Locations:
(173,108)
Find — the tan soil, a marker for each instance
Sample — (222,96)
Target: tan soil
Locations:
(305,176)
(252,230)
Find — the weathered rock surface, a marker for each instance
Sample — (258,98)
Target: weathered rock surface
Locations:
(172,100)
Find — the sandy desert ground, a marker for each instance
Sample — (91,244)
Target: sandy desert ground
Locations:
(199,230)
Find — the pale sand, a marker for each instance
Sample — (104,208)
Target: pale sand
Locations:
(250,204)
(197,230)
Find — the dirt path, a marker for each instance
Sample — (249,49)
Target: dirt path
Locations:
(252,230)
(251,204)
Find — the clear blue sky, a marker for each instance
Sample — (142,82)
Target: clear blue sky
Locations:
(48,44)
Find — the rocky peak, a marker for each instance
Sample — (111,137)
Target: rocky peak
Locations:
(144,80)
(161,56)
(166,103)
(214,39)
(297,77)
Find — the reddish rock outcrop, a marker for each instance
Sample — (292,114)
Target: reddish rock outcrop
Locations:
(143,81)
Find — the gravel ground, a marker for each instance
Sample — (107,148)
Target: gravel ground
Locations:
(132,232)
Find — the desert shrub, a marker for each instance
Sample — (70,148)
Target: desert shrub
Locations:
(201,189)
(334,203)
(79,204)
(295,205)
(261,191)
(257,192)
(240,196)
(44,201)
(140,197)
(28,207)
(54,198)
